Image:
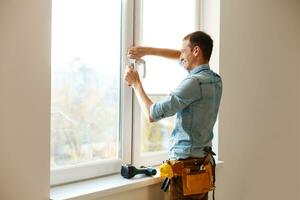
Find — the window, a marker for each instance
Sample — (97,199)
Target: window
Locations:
(86,89)
(96,123)
(151,140)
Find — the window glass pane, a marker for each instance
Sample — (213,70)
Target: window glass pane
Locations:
(173,19)
(85,81)
(156,136)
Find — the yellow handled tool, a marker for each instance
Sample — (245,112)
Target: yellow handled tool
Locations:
(166,170)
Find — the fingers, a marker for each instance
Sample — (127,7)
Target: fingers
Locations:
(127,79)
(130,75)
(131,53)
(135,52)
(127,75)
(131,50)
(128,68)
(130,72)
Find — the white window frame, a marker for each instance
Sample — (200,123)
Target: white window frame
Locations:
(99,168)
(130,111)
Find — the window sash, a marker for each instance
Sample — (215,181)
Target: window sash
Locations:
(103,167)
(151,158)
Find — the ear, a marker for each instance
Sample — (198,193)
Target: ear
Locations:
(197,51)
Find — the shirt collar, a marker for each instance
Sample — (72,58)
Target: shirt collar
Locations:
(199,68)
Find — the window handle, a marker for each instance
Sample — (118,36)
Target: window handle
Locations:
(138,64)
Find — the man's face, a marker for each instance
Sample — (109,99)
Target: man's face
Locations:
(187,57)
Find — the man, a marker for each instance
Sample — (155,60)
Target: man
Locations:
(195,102)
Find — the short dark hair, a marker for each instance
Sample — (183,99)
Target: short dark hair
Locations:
(203,40)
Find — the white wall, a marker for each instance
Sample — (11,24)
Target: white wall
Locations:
(259,62)
(24,99)
(298,151)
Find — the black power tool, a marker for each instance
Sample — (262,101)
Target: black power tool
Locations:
(128,171)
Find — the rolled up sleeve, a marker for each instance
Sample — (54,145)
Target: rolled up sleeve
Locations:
(186,93)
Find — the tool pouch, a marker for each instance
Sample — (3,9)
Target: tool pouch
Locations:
(197,175)
(197,181)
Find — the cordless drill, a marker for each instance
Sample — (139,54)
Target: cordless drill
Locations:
(128,171)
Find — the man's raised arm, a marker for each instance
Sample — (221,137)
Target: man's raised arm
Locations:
(139,51)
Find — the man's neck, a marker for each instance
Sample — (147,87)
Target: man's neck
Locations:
(198,63)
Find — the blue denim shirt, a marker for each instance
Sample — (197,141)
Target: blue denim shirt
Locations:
(196,103)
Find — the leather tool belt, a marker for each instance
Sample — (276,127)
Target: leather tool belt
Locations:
(198,174)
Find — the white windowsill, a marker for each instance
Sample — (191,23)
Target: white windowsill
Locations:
(103,186)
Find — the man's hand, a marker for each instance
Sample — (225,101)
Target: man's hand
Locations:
(137,52)
(131,77)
